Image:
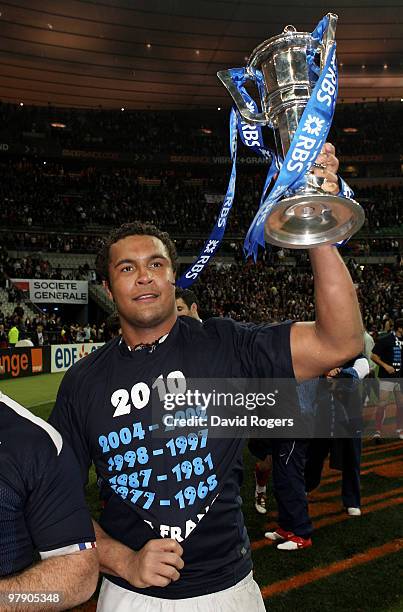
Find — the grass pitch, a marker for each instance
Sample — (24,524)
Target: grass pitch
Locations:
(33,391)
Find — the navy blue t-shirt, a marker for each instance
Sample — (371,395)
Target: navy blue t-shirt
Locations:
(42,505)
(390,349)
(156,488)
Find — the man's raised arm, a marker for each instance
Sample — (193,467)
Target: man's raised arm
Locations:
(337,333)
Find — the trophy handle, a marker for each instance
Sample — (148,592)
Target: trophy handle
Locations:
(328,38)
(249,116)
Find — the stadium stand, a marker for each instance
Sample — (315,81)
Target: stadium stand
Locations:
(56,208)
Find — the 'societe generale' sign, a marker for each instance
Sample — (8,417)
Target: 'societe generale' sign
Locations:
(50,291)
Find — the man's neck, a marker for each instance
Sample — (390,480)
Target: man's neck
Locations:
(134,336)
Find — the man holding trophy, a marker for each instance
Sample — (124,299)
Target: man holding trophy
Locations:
(160,547)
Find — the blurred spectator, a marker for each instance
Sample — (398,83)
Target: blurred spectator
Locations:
(94,334)
(13,335)
(80,335)
(66,335)
(87,332)
(3,337)
(39,338)
(112,326)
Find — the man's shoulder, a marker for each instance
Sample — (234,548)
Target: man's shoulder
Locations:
(212,327)
(26,434)
(93,362)
(233,335)
(227,325)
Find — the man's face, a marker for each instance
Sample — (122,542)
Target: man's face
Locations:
(184,310)
(141,281)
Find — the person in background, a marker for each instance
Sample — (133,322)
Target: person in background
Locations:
(186,303)
(39,337)
(294,528)
(111,327)
(101,332)
(94,333)
(65,335)
(13,335)
(371,382)
(87,332)
(387,353)
(3,337)
(339,402)
(80,335)
(262,450)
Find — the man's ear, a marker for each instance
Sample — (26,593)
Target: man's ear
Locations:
(193,308)
(108,292)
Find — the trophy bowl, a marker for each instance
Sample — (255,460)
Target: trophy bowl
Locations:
(288,66)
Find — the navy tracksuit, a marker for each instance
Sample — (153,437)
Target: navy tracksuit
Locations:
(345,455)
(288,468)
(342,408)
(289,485)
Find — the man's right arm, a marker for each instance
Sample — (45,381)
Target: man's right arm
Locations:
(72,577)
(156,564)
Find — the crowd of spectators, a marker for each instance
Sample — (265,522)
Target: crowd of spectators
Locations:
(155,133)
(72,195)
(35,196)
(41,243)
(48,328)
(378,129)
(35,266)
(263,292)
(368,128)
(66,207)
(382,205)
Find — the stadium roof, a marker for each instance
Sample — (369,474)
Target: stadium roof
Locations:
(164,54)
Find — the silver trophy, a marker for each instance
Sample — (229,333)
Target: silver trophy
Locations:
(308,216)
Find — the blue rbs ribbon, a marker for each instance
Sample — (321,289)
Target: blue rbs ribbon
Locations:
(307,143)
(216,236)
(252,138)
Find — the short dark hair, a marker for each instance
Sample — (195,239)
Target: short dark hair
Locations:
(187,295)
(398,323)
(136,228)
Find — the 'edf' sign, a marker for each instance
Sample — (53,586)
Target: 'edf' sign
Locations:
(63,356)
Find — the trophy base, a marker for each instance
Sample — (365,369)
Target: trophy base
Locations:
(312,219)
